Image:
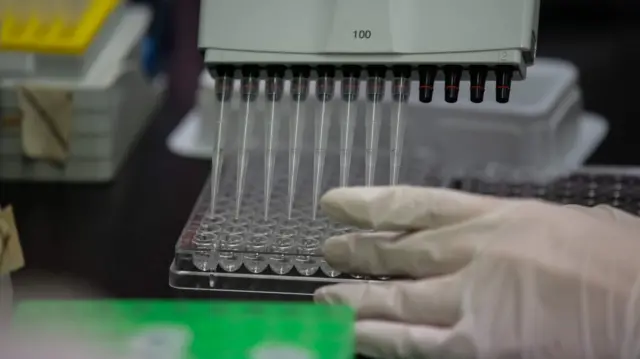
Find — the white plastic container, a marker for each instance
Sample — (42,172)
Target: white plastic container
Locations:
(112,103)
(543,131)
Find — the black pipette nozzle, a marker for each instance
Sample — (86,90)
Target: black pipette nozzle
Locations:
(326,71)
(300,82)
(400,87)
(276,70)
(249,85)
(250,71)
(376,82)
(325,84)
(478,82)
(377,71)
(351,71)
(274,86)
(427,81)
(224,82)
(452,75)
(504,75)
(225,70)
(402,71)
(301,71)
(350,82)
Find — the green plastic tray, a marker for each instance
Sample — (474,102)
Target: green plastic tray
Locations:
(198,330)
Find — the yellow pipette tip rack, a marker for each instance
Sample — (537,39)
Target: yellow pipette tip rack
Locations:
(57,27)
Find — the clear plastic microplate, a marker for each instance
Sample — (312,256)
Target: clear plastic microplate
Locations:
(280,254)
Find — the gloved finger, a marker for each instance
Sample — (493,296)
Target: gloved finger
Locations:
(367,254)
(414,255)
(386,340)
(404,208)
(610,213)
(435,301)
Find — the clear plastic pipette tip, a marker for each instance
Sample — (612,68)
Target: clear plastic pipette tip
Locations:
(401,90)
(324,92)
(299,93)
(373,121)
(273,89)
(350,91)
(249,91)
(224,90)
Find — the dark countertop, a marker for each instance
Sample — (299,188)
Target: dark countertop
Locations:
(120,237)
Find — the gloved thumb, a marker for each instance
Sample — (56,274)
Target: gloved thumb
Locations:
(387,339)
(435,301)
(404,208)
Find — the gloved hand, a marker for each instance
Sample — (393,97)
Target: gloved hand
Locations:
(489,277)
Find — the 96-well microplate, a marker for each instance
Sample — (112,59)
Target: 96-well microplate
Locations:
(276,255)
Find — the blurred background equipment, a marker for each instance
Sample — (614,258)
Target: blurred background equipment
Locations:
(74,96)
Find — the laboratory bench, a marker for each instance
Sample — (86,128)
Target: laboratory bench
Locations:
(119,237)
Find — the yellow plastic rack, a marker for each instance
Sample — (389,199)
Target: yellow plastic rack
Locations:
(61,27)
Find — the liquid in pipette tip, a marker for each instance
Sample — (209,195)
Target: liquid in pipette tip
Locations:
(274,87)
(324,91)
(350,92)
(223,93)
(400,91)
(297,122)
(249,89)
(373,121)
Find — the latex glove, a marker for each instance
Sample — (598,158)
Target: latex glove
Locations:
(491,278)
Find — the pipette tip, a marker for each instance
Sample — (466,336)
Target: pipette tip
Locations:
(350,93)
(293,179)
(401,91)
(324,92)
(375,95)
(344,176)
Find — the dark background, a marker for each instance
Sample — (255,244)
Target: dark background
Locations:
(119,237)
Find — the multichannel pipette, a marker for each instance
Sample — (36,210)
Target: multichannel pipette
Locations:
(299,94)
(273,88)
(373,120)
(400,91)
(328,50)
(249,89)
(350,92)
(324,91)
(224,91)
